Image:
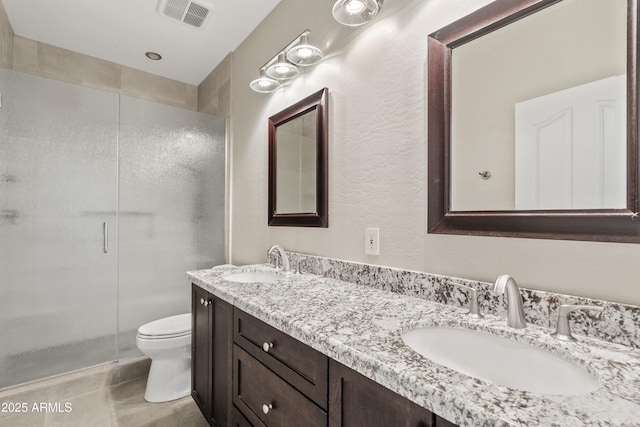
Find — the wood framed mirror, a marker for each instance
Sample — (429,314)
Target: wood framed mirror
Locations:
(451,171)
(298,170)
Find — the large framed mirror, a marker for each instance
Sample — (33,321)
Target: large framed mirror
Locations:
(298,169)
(532,121)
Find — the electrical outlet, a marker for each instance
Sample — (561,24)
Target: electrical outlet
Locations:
(372,241)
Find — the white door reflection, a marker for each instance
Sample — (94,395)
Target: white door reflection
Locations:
(571,148)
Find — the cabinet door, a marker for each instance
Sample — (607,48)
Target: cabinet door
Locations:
(239,420)
(201,346)
(221,357)
(357,401)
(211,351)
(441,422)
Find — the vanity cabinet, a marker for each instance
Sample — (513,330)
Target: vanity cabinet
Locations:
(276,378)
(246,373)
(211,351)
(357,401)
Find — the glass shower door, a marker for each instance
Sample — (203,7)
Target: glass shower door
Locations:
(58,187)
(172,174)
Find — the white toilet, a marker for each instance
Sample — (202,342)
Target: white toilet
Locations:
(167,342)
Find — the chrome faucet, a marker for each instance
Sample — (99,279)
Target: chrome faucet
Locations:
(515,311)
(283,256)
(563,329)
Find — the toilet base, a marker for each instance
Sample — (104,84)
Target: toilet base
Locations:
(168,379)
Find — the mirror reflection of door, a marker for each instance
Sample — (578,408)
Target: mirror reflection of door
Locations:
(553,51)
(571,148)
(296,165)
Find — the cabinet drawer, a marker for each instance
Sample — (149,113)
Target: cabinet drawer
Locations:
(239,420)
(255,387)
(300,365)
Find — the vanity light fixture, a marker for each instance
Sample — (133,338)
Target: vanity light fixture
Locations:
(264,84)
(303,53)
(284,65)
(282,69)
(355,12)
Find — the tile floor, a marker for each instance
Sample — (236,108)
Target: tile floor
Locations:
(106,396)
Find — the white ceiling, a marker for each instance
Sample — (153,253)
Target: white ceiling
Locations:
(121,31)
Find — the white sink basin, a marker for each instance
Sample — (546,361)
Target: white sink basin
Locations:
(500,360)
(253,276)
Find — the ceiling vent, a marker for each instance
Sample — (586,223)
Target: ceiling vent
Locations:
(187,11)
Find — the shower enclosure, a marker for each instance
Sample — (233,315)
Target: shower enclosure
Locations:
(105,202)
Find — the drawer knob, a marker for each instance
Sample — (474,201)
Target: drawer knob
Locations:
(202,301)
(207,302)
(266,408)
(266,346)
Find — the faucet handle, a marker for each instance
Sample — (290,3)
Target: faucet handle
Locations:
(563,329)
(298,265)
(474,309)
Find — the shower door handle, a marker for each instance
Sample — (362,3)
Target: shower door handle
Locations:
(105,236)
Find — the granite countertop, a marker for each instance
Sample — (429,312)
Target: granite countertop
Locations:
(360,327)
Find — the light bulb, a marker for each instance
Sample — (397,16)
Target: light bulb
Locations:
(264,84)
(282,70)
(354,6)
(303,53)
(355,12)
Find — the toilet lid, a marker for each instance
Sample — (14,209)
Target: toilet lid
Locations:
(173,326)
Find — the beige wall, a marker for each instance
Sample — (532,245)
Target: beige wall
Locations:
(214,93)
(41,59)
(376,77)
(30,56)
(6,39)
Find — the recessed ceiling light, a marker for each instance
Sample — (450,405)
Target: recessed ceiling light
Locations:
(153,56)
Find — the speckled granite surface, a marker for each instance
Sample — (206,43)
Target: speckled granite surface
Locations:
(619,323)
(360,326)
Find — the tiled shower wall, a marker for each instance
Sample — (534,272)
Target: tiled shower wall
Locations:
(6,40)
(44,60)
(214,93)
(213,96)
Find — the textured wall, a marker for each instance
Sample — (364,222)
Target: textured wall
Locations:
(376,77)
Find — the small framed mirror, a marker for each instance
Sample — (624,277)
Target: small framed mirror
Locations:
(298,164)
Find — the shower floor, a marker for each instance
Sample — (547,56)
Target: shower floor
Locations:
(110,395)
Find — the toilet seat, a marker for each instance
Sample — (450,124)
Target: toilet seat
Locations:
(168,327)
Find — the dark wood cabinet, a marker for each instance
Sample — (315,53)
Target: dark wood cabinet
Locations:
(259,393)
(441,422)
(357,401)
(246,373)
(277,380)
(301,366)
(211,351)
(239,420)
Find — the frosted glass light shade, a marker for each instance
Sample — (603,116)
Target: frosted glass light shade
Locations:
(355,12)
(264,84)
(282,69)
(303,53)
